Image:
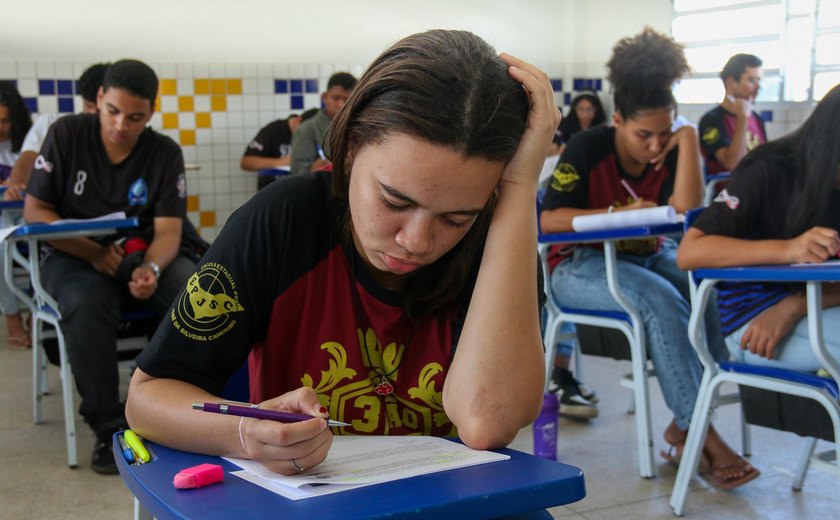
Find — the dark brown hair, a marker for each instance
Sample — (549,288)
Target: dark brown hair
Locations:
(642,70)
(448,88)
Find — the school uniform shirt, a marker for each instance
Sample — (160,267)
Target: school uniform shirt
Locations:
(38,132)
(74,174)
(753,206)
(7,159)
(716,129)
(589,175)
(273,140)
(278,284)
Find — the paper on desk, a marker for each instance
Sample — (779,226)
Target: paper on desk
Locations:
(623,219)
(117,215)
(355,461)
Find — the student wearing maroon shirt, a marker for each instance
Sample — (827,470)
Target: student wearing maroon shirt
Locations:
(731,129)
(661,167)
(782,206)
(397,293)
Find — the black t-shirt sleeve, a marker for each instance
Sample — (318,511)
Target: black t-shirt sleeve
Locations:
(668,186)
(713,135)
(737,210)
(47,182)
(568,184)
(172,197)
(226,305)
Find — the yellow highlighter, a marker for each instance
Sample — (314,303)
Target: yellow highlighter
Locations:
(136,445)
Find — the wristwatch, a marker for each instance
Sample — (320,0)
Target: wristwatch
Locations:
(154,267)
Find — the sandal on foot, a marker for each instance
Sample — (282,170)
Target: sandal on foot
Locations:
(19,342)
(675,453)
(716,474)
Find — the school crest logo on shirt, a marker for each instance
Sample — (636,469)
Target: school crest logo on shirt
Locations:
(181,185)
(256,145)
(564,178)
(138,193)
(711,135)
(731,201)
(205,309)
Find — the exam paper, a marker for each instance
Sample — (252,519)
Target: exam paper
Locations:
(356,461)
(623,219)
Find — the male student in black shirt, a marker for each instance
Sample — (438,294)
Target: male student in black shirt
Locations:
(91,165)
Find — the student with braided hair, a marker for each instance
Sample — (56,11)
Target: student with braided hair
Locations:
(661,167)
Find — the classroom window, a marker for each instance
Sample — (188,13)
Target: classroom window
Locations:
(796,39)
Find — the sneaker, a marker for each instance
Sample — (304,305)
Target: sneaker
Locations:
(573,404)
(102,460)
(561,377)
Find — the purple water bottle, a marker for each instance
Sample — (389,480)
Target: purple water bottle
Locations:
(545,429)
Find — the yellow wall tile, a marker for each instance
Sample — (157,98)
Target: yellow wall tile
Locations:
(202,120)
(192,202)
(217,86)
(201,86)
(208,218)
(187,137)
(185,103)
(168,87)
(218,103)
(157,104)
(170,120)
(234,86)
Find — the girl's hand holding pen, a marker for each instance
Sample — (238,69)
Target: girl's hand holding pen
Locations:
(288,448)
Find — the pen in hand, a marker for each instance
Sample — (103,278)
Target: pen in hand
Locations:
(629,189)
(259,413)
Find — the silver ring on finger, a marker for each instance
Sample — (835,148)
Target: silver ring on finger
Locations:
(299,469)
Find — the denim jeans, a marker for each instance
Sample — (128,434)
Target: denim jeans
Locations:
(794,351)
(90,304)
(660,293)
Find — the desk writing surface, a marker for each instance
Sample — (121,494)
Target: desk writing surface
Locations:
(611,234)
(47,231)
(772,273)
(523,483)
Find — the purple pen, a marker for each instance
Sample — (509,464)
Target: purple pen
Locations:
(258,413)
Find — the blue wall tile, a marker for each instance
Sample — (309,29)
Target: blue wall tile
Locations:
(281,86)
(297,86)
(767,116)
(65,104)
(65,87)
(599,84)
(31,104)
(46,87)
(567,98)
(557,85)
(312,86)
(297,101)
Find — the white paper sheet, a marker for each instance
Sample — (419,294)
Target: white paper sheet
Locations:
(356,461)
(623,219)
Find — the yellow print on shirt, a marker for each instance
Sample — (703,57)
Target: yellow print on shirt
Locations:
(711,135)
(345,394)
(564,178)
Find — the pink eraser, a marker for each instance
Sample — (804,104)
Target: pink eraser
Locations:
(199,476)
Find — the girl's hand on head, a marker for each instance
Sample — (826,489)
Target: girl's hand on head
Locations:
(543,118)
(284,448)
(816,245)
(684,136)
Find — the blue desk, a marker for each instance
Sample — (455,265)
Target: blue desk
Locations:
(523,483)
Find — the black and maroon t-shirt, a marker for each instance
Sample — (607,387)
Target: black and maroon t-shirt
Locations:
(589,175)
(716,129)
(278,284)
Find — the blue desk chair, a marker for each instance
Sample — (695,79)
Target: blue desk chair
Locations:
(45,311)
(822,390)
(712,180)
(627,321)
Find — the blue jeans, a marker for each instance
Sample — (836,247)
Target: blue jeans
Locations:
(794,351)
(660,292)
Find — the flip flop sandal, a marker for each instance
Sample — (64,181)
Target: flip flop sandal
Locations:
(712,475)
(674,456)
